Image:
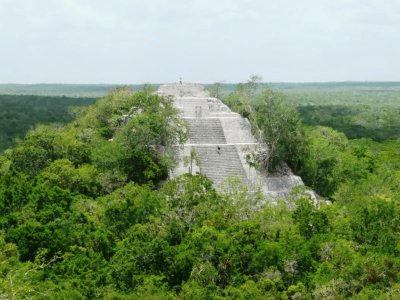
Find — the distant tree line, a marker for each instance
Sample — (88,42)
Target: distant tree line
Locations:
(21,113)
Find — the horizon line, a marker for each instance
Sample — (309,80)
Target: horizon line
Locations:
(222,82)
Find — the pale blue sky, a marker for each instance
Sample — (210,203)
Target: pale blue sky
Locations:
(130,41)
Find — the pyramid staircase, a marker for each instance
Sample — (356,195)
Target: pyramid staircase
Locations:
(220,162)
(206,131)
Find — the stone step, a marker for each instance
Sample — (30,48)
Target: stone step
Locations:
(206,131)
(202,130)
(220,163)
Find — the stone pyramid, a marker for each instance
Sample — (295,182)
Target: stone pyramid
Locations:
(222,139)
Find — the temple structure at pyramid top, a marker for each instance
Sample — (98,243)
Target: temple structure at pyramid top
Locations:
(183,90)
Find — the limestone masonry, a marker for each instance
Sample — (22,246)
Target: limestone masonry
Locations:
(221,139)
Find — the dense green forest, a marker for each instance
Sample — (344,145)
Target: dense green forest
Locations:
(21,113)
(86,213)
(369,113)
(358,109)
(24,106)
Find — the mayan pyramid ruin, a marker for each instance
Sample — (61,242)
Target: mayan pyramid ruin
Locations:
(221,139)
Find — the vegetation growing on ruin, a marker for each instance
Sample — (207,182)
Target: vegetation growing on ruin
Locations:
(84,212)
(323,143)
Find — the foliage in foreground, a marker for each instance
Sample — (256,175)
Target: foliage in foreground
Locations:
(186,241)
(81,218)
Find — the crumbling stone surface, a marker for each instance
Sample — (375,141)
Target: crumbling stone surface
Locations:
(182,90)
(223,143)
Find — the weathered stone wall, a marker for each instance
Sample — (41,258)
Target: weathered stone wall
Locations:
(222,139)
